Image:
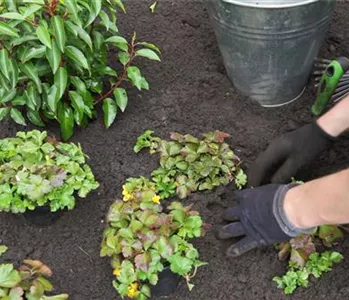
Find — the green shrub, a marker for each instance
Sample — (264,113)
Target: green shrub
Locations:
(53,61)
(36,170)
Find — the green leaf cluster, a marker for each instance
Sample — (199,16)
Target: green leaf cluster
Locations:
(36,170)
(28,281)
(299,276)
(189,164)
(142,238)
(54,62)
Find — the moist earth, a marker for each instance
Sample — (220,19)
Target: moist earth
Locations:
(190,93)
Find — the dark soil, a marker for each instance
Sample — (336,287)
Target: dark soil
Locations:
(189,93)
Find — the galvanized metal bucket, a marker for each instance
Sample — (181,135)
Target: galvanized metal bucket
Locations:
(269,46)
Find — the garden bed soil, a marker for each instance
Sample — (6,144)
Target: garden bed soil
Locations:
(190,93)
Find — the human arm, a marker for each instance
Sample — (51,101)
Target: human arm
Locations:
(293,150)
(277,212)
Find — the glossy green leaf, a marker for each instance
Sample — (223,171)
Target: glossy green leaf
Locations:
(7,30)
(66,120)
(14,73)
(53,98)
(34,53)
(121,98)
(9,96)
(33,98)
(59,32)
(43,35)
(34,117)
(4,111)
(97,6)
(3,249)
(124,57)
(118,41)
(105,18)
(12,16)
(150,46)
(73,10)
(5,63)
(120,5)
(72,28)
(61,81)
(23,39)
(150,54)
(83,35)
(30,70)
(77,57)
(77,101)
(54,57)
(134,74)
(31,10)
(17,116)
(42,2)
(109,110)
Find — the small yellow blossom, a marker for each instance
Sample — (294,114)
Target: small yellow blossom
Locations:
(132,290)
(156,199)
(116,272)
(127,195)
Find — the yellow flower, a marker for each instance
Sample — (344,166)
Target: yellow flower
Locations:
(116,272)
(156,199)
(132,290)
(127,195)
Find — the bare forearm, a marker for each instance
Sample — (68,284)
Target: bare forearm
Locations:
(319,202)
(336,121)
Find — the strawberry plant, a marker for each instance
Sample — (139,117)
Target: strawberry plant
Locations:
(54,66)
(189,164)
(317,264)
(142,238)
(36,170)
(29,281)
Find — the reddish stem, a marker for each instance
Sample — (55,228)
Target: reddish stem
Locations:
(123,75)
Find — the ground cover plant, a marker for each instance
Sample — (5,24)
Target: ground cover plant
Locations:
(305,259)
(143,236)
(53,62)
(36,170)
(189,164)
(29,281)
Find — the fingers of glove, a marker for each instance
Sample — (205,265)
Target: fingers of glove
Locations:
(266,162)
(244,245)
(285,173)
(231,230)
(231,214)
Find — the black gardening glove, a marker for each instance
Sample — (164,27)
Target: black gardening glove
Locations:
(259,218)
(287,154)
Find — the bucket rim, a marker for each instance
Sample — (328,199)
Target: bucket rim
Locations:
(258,4)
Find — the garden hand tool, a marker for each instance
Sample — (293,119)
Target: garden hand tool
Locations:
(287,154)
(332,82)
(259,218)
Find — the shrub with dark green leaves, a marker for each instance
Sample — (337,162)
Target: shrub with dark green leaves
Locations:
(54,66)
(36,170)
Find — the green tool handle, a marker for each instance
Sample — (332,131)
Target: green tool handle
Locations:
(327,86)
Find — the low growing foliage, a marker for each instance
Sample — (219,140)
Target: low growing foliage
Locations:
(189,164)
(36,170)
(28,281)
(317,264)
(142,239)
(54,61)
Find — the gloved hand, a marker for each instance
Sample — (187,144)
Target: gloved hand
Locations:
(287,154)
(259,218)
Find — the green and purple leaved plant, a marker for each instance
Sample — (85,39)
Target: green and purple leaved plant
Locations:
(189,164)
(142,238)
(54,62)
(36,170)
(29,281)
